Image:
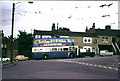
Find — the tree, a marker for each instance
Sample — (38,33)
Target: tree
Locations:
(25,44)
(63,29)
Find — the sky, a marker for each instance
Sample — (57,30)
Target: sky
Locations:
(40,15)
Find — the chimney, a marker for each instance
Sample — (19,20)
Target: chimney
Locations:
(93,27)
(57,26)
(1,33)
(53,27)
(108,27)
(86,29)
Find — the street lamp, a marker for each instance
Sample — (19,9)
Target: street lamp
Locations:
(13,10)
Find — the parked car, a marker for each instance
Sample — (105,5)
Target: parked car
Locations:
(4,59)
(21,57)
(91,54)
(105,53)
(84,52)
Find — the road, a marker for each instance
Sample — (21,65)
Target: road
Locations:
(71,68)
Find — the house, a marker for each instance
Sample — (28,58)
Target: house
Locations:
(108,39)
(93,39)
(3,45)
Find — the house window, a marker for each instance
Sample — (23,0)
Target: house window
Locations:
(46,36)
(37,36)
(87,40)
(88,48)
(95,41)
(105,40)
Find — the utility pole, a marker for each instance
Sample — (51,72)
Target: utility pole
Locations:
(13,10)
(11,58)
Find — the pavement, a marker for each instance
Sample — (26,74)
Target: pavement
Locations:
(7,64)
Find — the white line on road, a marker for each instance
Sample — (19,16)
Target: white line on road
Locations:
(88,64)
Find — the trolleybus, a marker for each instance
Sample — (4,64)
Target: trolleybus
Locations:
(53,48)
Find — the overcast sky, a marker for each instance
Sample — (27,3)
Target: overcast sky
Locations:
(75,15)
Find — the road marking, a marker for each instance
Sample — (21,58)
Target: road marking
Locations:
(104,67)
(79,63)
(88,64)
(99,65)
(76,62)
(73,62)
(95,64)
(110,68)
(83,63)
(116,69)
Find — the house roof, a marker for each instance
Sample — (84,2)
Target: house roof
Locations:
(63,33)
(95,33)
(107,32)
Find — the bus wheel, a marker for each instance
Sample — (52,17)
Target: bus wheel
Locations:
(71,55)
(45,57)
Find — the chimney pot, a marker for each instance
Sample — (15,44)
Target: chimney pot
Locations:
(86,29)
(108,27)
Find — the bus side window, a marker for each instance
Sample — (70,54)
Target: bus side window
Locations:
(53,41)
(66,40)
(65,49)
(57,40)
(54,49)
(47,41)
(70,48)
(60,40)
(59,49)
(50,40)
(35,50)
(36,42)
(73,48)
(42,41)
(40,50)
(51,50)
(70,40)
(48,49)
